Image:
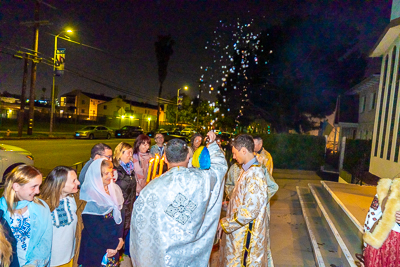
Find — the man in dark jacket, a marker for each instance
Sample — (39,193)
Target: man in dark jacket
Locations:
(99,150)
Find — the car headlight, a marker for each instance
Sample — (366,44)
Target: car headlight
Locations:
(30,157)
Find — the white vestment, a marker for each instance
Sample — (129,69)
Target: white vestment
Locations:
(175,218)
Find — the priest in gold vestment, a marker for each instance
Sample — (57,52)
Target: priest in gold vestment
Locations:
(263,156)
(245,238)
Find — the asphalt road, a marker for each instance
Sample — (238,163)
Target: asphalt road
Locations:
(54,152)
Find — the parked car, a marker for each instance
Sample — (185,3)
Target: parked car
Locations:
(153,132)
(95,131)
(173,136)
(129,131)
(175,131)
(11,157)
(188,131)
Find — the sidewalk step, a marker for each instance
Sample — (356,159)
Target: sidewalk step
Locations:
(326,249)
(345,231)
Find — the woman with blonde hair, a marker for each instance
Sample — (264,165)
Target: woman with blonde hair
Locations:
(28,217)
(126,181)
(8,245)
(57,190)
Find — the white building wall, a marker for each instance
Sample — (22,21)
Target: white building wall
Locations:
(385,153)
(395,10)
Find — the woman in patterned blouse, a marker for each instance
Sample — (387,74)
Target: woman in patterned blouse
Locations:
(57,191)
(28,216)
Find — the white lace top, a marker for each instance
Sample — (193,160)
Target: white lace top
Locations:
(64,221)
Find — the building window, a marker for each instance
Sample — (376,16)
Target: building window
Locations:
(105,107)
(83,102)
(83,110)
(389,93)
(372,101)
(382,93)
(362,104)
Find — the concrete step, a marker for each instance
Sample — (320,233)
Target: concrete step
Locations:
(354,200)
(345,231)
(326,249)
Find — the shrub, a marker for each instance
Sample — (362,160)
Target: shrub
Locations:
(356,157)
(292,151)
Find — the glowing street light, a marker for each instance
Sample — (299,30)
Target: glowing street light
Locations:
(54,80)
(177,104)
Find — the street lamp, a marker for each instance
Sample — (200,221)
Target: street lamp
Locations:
(177,106)
(54,80)
(148,125)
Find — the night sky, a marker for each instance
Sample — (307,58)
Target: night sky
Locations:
(125,32)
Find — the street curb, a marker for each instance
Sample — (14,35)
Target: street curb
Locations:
(33,138)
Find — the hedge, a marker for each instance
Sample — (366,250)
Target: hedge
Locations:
(356,156)
(292,151)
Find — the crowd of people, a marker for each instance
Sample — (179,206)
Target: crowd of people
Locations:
(111,209)
(173,220)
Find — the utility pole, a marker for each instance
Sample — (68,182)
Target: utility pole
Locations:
(33,69)
(23,92)
(36,23)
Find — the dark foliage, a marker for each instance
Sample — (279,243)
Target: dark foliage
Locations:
(292,151)
(296,74)
(356,158)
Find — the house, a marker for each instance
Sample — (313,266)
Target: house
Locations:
(346,117)
(120,112)
(6,97)
(384,161)
(367,91)
(82,104)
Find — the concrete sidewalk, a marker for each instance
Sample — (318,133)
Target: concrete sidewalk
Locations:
(290,243)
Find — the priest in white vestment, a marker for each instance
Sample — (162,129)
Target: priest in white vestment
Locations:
(245,242)
(175,218)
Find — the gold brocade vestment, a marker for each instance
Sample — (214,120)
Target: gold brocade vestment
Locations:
(265,159)
(245,241)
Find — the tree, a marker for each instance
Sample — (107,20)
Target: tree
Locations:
(295,74)
(189,110)
(185,112)
(164,51)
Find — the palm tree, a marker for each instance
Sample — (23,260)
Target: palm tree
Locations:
(163,52)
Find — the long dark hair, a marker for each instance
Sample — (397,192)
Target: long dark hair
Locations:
(140,140)
(52,187)
(193,138)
